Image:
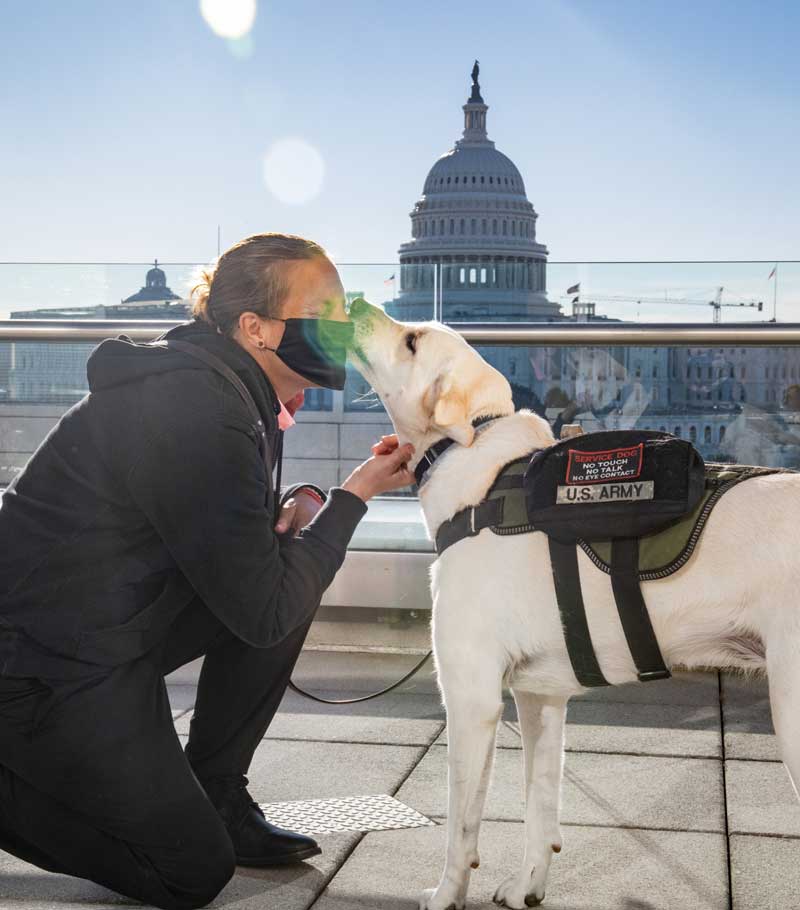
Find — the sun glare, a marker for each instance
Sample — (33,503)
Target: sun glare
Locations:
(294,171)
(229,18)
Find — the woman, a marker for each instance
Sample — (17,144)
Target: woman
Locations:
(142,534)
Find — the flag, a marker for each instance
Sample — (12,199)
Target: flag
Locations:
(576,299)
(575,289)
(390,279)
(536,363)
(772,272)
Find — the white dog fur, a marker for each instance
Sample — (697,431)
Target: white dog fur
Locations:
(495,616)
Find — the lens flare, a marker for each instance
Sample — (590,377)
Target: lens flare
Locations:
(241,47)
(294,171)
(229,18)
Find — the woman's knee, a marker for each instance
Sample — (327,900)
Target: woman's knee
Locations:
(201,870)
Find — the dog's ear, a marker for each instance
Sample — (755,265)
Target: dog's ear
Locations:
(450,412)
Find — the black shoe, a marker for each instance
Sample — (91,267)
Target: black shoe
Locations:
(255,841)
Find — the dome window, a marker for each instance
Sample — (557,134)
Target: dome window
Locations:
(448,180)
(472,226)
(456,180)
(505,227)
(441,225)
(506,181)
(483,226)
(452,226)
(514,228)
(483,276)
(473,276)
(461,227)
(482,179)
(494,223)
(491,180)
(473,179)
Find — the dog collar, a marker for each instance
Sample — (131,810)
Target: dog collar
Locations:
(439,448)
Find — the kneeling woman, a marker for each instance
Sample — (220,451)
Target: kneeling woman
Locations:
(145,532)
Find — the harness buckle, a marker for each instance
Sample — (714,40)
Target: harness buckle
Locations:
(472,520)
(650,675)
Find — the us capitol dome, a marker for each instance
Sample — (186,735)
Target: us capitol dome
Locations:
(474,222)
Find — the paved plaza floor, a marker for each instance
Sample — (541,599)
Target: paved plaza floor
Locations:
(673,797)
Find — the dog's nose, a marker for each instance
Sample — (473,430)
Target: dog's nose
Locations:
(359,308)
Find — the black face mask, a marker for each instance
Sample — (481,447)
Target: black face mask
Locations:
(316,349)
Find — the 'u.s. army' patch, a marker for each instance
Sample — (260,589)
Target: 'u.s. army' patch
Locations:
(630,491)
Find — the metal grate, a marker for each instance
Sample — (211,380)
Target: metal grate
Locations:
(354,813)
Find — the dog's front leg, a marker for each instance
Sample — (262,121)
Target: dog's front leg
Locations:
(472,716)
(541,722)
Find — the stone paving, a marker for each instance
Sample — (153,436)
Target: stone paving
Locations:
(674,797)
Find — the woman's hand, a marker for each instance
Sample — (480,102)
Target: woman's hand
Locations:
(385,445)
(296,513)
(386,470)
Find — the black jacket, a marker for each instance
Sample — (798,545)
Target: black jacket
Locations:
(148,493)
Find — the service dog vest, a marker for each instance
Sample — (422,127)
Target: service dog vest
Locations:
(636,502)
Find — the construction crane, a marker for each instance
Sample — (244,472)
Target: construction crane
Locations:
(717,303)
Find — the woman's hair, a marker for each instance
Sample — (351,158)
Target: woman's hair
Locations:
(250,277)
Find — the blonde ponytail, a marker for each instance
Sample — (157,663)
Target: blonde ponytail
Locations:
(200,294)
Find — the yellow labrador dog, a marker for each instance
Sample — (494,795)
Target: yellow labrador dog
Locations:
(495,615)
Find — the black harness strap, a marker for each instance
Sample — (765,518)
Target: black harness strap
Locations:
(632,611)
(468,523)
(511,482)
(564,560)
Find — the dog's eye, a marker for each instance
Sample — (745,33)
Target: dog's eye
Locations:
(411,342)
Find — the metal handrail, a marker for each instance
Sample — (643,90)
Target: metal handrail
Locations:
(655,334)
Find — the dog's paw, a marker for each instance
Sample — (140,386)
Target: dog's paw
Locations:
(514,894)
(434,900)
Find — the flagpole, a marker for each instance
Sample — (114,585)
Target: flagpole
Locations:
(775,296)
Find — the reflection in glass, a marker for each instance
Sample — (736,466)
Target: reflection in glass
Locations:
(736,403)
(700,394)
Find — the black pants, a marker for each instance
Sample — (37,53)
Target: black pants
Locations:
(93,779)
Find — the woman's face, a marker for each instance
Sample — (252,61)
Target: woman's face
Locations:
(315,291)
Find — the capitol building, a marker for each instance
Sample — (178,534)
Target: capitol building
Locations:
(473,255)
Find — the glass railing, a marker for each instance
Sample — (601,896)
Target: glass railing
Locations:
(689,348)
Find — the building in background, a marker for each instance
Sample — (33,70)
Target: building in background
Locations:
(154,293)
(156,300)
(475,225)
(56,373)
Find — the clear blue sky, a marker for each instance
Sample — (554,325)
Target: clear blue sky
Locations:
(643,130)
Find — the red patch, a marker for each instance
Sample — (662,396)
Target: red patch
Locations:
(606,466)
